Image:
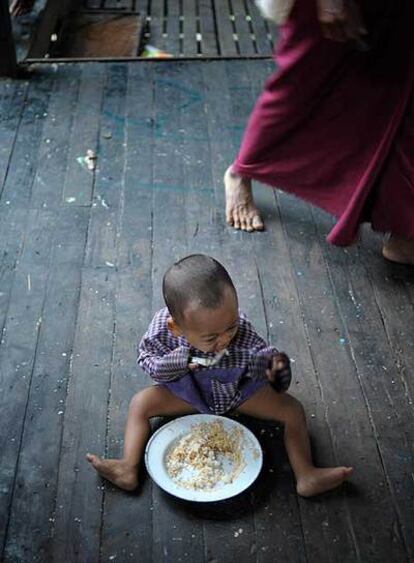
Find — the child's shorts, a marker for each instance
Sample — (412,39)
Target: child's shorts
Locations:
(216,390)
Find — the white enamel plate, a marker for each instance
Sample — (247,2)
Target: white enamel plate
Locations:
(166,436)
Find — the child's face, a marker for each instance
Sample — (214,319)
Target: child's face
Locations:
(210,330)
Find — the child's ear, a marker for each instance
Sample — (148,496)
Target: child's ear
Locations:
(173,327)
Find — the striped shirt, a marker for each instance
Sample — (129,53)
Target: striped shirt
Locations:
(165,357)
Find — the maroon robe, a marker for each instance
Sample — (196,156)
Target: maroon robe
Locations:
(335,123)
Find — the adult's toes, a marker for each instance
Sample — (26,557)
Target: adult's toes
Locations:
(243,222)
(248,224)
(93,459)
(229,217)
(257,223)
(236,220)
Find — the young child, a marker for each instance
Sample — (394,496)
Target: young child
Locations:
(205,356)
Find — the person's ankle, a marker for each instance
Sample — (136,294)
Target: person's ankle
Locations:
(128,463)
(305,472)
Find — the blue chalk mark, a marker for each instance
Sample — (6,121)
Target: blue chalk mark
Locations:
(194,97)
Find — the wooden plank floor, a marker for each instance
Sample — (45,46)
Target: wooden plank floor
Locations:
(202,28)
(82,255)
(182,28)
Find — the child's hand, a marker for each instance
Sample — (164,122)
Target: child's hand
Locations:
(279,373)
(192,366)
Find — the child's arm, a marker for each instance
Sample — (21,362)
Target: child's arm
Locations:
(279,373)
(263,359)
(161,363)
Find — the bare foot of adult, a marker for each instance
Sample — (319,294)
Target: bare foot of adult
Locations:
(21,7)
(400,250)
(320,480)
(241,212)
(115,470)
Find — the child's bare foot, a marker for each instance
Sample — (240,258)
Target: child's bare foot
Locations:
(320,480)
(115,470)
(241,212)
(400,250)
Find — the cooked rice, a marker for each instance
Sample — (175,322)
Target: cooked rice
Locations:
(206,457)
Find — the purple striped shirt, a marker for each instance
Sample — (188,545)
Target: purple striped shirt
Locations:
(165,357)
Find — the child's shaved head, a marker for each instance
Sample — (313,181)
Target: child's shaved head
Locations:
(196,280)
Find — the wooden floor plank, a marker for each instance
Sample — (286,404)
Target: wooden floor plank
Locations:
(24,158)
(12,103)
(189,27)
(77,524)
(102,246)
(13,224)
(100,262)
(33,507)
(18,348)
(135,243)
(383,383)
(272,33)
(209,41)
(341,388)
(108,35)
(244,39)
(157,23)
(118,537)
(393,287)
(225,30)
(78,186)
(172,43)
(260,31)
(320,530)
(176,533)
(53,146)
(133,313)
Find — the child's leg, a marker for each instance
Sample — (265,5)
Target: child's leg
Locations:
(267,404)
(150,402)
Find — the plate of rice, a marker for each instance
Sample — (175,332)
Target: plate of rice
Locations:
(203,457)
